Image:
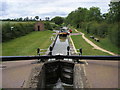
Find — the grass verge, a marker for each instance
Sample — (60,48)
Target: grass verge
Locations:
(27,45)
(87,49)
(104,43)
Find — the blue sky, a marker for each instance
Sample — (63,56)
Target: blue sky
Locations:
(46,8)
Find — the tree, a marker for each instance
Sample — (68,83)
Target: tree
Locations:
(47,18)
(58,20)
(114,12)
(104,16)
(77,17)
(26,19)
(94,14)
(48,26)
(31,19)
(37,17)
(21,19)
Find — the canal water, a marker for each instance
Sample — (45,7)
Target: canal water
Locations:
(60,48)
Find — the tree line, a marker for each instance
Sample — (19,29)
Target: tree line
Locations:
(94,22)
(36,18)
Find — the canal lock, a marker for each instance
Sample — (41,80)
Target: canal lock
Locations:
(57,73)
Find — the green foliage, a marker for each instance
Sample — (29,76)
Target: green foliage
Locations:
(94,14)
(77,17)
(48,26)
(37,17)
(102,30)
(11,31)
(58,20)
(47,18)
(55,26)
(99,29)
(114,12)
(105,30)
(96,24)
(93,28)
(114,34)
(105,43)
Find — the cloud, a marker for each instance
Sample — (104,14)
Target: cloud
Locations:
(43,8)
(3,6)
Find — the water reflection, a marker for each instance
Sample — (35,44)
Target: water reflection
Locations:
(62,39)
(58,85)
(61,46)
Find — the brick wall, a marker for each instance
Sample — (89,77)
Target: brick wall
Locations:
(39,26)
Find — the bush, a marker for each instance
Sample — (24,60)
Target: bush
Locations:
(48,26)
(99,29)
(102,30)
(19,29)
(94,28)
(114,34)
(54,26)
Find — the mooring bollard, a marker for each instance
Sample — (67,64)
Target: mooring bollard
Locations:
(68,49)
(51,48)
(38,51)
(80,51)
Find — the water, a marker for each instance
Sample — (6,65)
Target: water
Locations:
(60,48)
(60,86)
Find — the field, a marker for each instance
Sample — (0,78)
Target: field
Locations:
(87,49)
(27,45)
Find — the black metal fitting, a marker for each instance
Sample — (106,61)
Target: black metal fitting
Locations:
(51,48)
(38,51)
(80,51)
(68,49)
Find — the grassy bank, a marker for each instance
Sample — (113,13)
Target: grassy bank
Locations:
(12,30)
(27,45)
(87,49)
(104,43)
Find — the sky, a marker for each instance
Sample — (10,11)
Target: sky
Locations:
(46,8)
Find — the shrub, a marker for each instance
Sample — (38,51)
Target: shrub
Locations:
(48,26)
(19,29)
(114,34)
(102,30)
(93,28)
(99,29)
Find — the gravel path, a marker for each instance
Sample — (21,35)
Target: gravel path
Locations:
(94,45)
